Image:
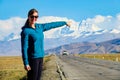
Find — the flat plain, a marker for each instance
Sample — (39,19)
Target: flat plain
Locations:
(11,67)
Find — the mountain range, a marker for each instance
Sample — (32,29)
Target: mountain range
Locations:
(13,47)
(111,46)
(89,35)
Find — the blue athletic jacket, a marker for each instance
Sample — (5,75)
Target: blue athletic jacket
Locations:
(32,40)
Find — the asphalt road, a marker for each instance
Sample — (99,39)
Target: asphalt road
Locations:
(76,68)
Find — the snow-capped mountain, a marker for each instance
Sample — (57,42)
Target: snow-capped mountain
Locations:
(88,30)
(83,29)
(115,31)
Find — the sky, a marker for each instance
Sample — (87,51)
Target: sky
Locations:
(95,14)
(72,9)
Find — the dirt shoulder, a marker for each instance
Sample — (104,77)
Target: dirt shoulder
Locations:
(50,69)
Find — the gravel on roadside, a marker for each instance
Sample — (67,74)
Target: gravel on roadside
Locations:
(50,69)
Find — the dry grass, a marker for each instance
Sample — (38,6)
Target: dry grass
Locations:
(11,68)
(112,57)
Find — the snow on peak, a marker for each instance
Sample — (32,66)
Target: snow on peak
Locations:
(115,31)
(91,26)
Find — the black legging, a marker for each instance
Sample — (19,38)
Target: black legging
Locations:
(36,69)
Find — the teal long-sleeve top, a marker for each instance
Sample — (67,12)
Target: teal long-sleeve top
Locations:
(32,40)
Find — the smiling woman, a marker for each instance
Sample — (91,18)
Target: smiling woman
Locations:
(32,43)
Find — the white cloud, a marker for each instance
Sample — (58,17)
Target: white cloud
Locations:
(94,27)
(12,25)
(47,19)
(99,19)
(118,17)
(99,22)
(103,22)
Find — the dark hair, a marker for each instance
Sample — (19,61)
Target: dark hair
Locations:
(29,14)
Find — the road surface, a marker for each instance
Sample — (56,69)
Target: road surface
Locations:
(76,68)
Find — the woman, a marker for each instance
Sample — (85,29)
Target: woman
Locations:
(32,43)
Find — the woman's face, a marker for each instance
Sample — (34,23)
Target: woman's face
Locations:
(33,18)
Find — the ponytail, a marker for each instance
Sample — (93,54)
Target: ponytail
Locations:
(26,23)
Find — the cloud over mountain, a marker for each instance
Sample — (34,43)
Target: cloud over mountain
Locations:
(97,29)
(11,28)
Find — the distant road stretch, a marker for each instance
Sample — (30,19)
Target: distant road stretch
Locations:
(76,68)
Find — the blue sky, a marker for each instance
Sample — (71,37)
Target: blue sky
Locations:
(72,9)
(88,15)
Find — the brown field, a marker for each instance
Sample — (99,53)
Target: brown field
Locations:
(11,68)
(112,57)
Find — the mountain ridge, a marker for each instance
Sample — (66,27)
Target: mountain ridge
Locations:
(111,46)
(91,30)
(13,48)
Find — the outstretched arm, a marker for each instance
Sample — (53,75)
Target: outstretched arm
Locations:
(51,25)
